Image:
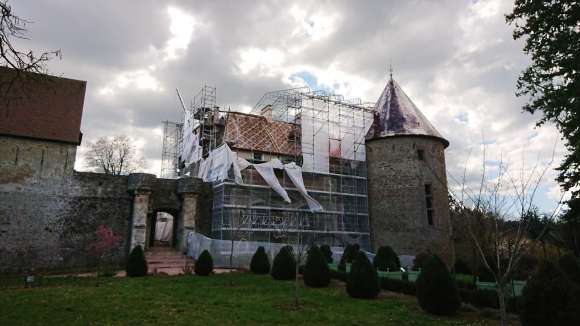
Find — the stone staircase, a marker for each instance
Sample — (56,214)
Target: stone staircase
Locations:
(165,260)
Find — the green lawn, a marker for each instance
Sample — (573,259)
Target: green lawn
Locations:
(213,300)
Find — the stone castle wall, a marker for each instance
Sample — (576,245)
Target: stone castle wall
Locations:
(49,213)
(396,193)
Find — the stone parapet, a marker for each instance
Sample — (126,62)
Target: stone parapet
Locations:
(140,182)
(189,185)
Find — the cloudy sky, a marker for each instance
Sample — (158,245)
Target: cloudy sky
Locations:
(456,59)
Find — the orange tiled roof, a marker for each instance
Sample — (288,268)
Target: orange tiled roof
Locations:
(257,133)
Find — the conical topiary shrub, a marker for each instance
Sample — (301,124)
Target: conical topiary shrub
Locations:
(260,264)
(362,281)
(436,290)
(316,271)
(204,264)
(136,263)
(326,253)
(386,260)
(284,265)
(549,298)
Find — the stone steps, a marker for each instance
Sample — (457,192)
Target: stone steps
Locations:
(164,260)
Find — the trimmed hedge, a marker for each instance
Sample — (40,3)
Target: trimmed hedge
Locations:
(363,280)
(399,286)
(436,289)
(260,264)
(316,272)
(284,265)
(136,263)
(327,253)
(204,264)
(386,260)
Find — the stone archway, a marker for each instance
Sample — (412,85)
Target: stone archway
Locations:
(177,197)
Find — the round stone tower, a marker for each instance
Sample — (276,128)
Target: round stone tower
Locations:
(407,183)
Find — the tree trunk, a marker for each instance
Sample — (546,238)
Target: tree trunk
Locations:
(501,300)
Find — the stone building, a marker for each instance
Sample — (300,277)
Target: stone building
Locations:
(303,164)
(407,183)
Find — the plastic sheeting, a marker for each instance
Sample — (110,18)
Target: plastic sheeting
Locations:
(164,227)
(295,173)
(217,165)
(243,251)
(191,151)
(266,170)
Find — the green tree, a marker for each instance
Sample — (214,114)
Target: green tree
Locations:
(204,264)
(363,280)
(284,265)
(316,271)
(387,260)
(260,263)
(436,290)
(552,81)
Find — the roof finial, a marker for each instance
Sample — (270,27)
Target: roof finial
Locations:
(391,71)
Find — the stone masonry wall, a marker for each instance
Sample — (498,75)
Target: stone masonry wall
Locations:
(396,194)
(49,213)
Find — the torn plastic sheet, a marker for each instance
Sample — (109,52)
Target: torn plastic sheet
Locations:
(266,170)
(295,173)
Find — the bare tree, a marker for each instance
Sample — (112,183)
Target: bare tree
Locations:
(117,155)
(496,216)
(13,27)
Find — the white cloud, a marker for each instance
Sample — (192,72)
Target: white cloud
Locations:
(181,28)
(260,62)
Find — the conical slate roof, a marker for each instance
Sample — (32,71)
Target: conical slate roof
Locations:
(397,115)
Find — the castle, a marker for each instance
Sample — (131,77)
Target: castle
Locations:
(302,163)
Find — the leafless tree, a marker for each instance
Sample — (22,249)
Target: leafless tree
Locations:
(117,155)
(495,215)
(13,27)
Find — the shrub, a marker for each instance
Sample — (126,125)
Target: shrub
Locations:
(316,271)
(400,286)
(363,280)
(436,289)
(461,267)
(260,264)
(348,255)
(326,253)
(549,298)
(204,264)
(284,265)
(136,263)
(420,260)
(569,265)
(386,260)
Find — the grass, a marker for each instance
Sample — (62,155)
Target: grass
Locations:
(252,299)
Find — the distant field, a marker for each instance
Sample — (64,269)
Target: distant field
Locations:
(194,300)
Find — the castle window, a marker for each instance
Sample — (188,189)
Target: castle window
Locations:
(420,154)
(429,204)
(257,157)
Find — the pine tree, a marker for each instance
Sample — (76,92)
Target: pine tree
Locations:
(260,264)
(204,264)
(316,271)
(436,290)
(284,265)
(136,263)
(569,265)
(386,260)
(363,280)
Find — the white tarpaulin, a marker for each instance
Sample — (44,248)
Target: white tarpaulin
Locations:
(164,227)
(221,250)
(295,173)
(266,170)
(218,163)
(191,151)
